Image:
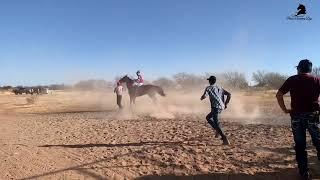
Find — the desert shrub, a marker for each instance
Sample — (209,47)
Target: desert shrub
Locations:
(316,71)
(275,80)
(271,80)
(189,81)
(259,78)
(235,80)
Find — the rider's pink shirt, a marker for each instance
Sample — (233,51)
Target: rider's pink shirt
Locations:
(140,79)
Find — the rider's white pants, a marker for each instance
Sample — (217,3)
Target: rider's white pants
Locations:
(138,84)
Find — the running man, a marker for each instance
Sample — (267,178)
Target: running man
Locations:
(217,98)
(118,90)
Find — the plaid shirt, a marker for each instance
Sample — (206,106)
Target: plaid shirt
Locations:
(216,95)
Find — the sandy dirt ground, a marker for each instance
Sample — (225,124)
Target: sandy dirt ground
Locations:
(81,135)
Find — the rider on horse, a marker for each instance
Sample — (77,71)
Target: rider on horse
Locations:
(135,91)
(139,81)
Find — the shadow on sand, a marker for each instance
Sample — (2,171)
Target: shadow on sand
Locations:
(76,111)
(74,146)
(281,174)
(286,174)
(86,169)
(189,142)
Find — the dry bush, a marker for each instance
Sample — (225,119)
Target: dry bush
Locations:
(235,80)
(189,81)
(259,78)
(270,80)
(316,71)
(275,80)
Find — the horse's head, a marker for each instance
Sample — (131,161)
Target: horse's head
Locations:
(126,79)
(301,9)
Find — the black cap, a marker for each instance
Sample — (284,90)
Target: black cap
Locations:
(212,78)
(305,65)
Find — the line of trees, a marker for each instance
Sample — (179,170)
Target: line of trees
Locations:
(316,71)
(270,80)
(231,79)
(50,87)
(188,81)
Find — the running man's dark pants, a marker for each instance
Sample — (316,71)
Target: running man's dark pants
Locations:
(213,120)
(300,122)
(119,99)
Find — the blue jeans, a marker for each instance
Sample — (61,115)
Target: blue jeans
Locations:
(300,122)
(213,120)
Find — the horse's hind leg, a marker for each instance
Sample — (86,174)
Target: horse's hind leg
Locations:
(132,100)
(153,97)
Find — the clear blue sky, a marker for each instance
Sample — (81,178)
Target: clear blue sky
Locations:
(62,41)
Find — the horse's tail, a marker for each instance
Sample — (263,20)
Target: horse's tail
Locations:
(160,91)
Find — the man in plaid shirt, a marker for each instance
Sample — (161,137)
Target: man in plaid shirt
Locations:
(218,103)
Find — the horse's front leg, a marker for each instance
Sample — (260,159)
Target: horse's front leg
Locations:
(153,98)
(131,101)
(134,100)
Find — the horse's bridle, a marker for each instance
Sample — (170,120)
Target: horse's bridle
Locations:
(129,84)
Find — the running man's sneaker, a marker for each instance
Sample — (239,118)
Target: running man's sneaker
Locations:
(217,134)
(305,175)
(225,141)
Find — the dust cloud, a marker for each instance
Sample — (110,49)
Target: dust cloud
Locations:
(242,108)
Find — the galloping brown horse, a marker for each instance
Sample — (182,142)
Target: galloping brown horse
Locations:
(134,91)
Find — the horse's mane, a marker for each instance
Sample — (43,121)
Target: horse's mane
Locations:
(131,81)
(129,78)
